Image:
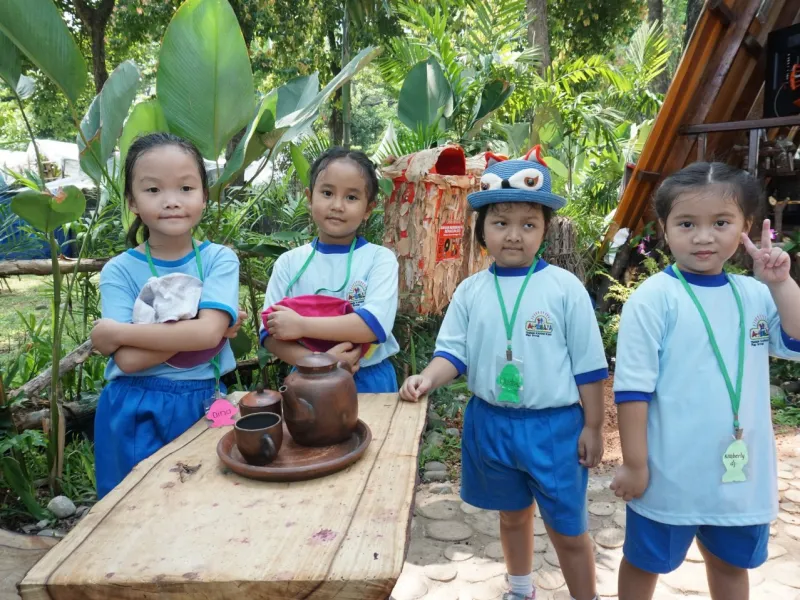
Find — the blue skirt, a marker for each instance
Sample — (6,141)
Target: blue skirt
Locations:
(137,416)
(377,379)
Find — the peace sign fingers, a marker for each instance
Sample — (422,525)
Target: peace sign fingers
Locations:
(756,253)
(766,237)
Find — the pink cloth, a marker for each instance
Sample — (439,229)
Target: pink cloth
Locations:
(193,358)
(316,306)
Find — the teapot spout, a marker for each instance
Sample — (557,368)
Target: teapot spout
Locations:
(298,412)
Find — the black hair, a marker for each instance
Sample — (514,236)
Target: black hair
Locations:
(358,157)
(139,147)
(480,223)
(741,186)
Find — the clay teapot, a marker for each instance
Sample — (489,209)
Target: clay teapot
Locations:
(320,402)
(260,400)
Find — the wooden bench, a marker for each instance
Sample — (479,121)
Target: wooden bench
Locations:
(170,531)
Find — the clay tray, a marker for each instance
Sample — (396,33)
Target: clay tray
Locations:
(296,462)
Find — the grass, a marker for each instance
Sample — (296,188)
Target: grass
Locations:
(27,294)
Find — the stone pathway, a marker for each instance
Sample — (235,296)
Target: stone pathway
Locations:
(455,552)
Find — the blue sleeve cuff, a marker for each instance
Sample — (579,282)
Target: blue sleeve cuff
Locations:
(219,306)
(372,323)
(791,343)
(622,397)
(262,335)
(591,376)
(460,366)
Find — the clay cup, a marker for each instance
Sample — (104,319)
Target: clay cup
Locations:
(259,437)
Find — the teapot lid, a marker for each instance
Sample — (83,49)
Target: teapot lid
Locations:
(317,362)
(261,397)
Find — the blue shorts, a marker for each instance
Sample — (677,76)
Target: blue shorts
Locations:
(136,417)
(513,456)
(659,548)
(377,379)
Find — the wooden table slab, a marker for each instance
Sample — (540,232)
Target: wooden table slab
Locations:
(212,534)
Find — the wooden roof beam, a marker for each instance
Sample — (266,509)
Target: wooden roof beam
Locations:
(723,12)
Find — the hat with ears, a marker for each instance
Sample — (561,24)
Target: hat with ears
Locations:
(525,179)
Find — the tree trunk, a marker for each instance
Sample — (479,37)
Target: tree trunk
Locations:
(693,10)
(336,123)
(536,11)
(655,13)
(95,19)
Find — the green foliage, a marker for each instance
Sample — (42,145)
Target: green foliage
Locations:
(205,84)
(46,211)
(584,27)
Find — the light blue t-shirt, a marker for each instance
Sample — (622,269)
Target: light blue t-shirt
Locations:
(664,357)
(123,277)
(555,334)
(371,288)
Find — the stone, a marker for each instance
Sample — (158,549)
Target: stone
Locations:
(442,572)
(435,466)
(28,529)
(773,531)
(793,531)
(446,592)
(608,559)
(494,551)
(482,571)
(410,586)
(601,509)
(422,551)
(434,421)
(606,583)
(777,393)
(792,496)
(599,483)
(459,552)
(42,524)
(787,574)
(538,562)
(782,485)
(785,475)
(441,488)
(789,518)
(439,509)
(62,507)
(453,432)
(55,533)
(620,519)
(551,558)
(485,590)
(538,527)
(795,483)
(435,439)
(689,578)
(469,509)
(790,507)
(694,553)
(775,551)
(485,522)
(540,545)
(595,523)
(610,538)
(548,579)
(448,531)
(81,510)
(431,476)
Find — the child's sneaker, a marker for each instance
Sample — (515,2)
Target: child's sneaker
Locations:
(513,596)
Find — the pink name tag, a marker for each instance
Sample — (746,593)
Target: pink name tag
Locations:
(221,413)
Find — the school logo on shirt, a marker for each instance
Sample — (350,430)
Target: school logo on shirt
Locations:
(539,324)
(357,293)
(759,333)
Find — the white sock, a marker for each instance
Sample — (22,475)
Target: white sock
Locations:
(521,584)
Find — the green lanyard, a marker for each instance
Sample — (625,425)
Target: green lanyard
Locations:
(308,262)
(214,361)
(735,394)
(510,324)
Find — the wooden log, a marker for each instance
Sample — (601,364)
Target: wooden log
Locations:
(215,535)
(67,364)
(34,420)
(45,266)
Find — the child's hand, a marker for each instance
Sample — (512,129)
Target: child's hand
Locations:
(349,353)
(770,265)
(234,329)
(105,336)
(414,387)
(590,447)
(630,482)
(285,324)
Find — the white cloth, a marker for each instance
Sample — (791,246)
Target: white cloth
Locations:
(173,297)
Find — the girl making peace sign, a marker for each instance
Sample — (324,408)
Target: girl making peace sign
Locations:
(692,388)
